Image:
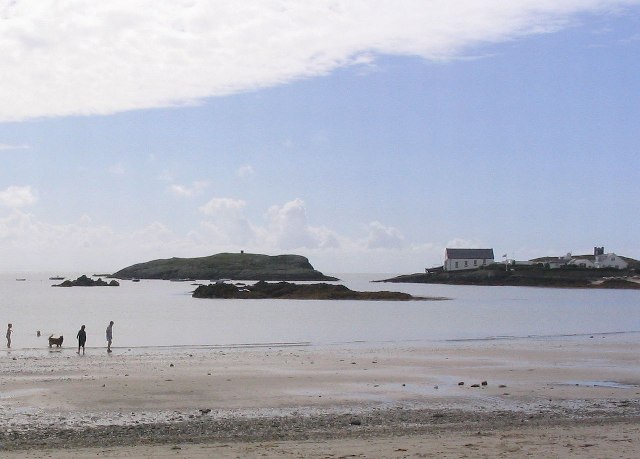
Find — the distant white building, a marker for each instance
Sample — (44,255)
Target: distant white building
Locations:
(599,259)
(459,259)
(582,263)
(559,262)
(610,260)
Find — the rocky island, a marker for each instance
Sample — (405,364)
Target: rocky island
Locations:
(84,281)
(287,290)
(245,266)
(528,276)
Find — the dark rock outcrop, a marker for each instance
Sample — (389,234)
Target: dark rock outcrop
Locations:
(286,290)
(84,281)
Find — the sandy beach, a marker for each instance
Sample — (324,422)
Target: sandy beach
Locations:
(561,397)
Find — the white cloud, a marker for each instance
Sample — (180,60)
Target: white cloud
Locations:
(246,171)
(195,189)
(226,224)
(462,243)
(383,237)
(117,169)
(18,196)
(287,226)
(80,58)
(5,146)
(27,243)
(217,205)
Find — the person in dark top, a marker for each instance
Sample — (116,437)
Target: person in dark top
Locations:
(82,338)
(109,335)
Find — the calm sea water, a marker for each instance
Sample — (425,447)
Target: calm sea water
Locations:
(162,313)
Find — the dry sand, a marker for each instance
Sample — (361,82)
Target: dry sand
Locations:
(563,397)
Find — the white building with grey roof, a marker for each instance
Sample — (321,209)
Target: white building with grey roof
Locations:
(459,259)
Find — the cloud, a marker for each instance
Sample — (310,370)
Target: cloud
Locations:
(117,169)
(383,237)
(246,171)
(461,243)
(4,146)
(195,189)
(218,205)
(18,196)
(83,58)
(285,227)
(31,244)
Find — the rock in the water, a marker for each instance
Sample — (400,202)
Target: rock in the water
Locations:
(287,290)
(84,281)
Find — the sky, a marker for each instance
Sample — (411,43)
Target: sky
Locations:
(367,136)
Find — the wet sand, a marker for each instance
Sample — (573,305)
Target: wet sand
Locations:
(562,397)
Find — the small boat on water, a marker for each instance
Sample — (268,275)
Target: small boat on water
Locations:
(57,278)
(135,280)
(21,279)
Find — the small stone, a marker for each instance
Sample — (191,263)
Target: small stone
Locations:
(484,383)
(356,422)
(171,364)
(475,385)
(502,386)
(461,383)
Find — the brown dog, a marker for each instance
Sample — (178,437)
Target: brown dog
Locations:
(56,341)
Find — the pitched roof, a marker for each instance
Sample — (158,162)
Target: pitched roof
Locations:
(458,254)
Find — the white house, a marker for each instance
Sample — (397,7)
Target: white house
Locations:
(582,263)
(610,260)
(458,259)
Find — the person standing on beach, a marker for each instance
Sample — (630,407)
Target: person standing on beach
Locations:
(82,338)
(9,331)
(109,335)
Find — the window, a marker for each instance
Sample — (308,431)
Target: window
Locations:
(466,263)
(475,262)
(456,264)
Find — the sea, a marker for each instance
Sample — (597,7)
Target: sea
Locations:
(157,314)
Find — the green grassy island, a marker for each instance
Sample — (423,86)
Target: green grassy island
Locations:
(241,266)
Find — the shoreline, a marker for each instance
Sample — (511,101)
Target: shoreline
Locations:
(342,396)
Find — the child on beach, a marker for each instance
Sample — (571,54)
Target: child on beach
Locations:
(109,335)
(82,338)
(9,331)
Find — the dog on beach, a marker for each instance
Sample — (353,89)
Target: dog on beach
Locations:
(56,341)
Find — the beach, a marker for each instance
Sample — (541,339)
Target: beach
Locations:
(572,396)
